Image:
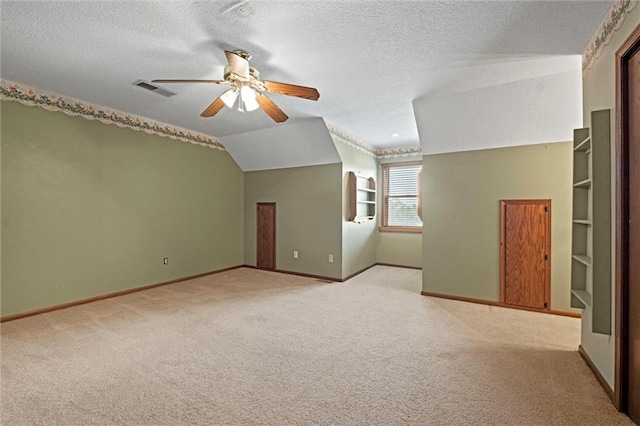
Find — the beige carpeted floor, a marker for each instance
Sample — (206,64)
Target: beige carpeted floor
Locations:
(255,347)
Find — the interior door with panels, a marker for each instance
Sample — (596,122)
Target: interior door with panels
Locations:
(525,260)
(266,236)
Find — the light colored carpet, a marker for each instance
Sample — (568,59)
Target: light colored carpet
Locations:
(254,347)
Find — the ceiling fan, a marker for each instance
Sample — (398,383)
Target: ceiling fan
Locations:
(248,89)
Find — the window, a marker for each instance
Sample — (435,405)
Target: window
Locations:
(401,188)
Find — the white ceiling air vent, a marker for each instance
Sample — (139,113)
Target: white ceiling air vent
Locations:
(154,88)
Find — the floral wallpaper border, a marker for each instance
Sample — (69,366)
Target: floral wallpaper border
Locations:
(375,152)
(350,140)
(405,151)
(611,22)
(34,97)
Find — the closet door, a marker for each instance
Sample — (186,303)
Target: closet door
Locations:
(525,253)
(266,236)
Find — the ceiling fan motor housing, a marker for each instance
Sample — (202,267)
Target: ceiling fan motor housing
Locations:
(229,75)
(243,54)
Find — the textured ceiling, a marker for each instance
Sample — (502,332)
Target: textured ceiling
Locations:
(368,59)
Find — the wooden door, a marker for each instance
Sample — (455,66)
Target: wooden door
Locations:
(266,237)
(627,386)
(525,253)
(634,238)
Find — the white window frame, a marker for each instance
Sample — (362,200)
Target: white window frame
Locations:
(384,226)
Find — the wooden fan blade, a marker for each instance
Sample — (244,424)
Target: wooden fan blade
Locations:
(239,65)
(292,90)
(213,109)
(271,109)
(187,81)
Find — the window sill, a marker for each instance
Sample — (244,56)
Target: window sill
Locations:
(410,229)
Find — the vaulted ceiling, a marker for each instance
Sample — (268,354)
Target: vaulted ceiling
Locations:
(368,59)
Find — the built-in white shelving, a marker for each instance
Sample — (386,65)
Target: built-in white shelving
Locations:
(591,236)
(362,197)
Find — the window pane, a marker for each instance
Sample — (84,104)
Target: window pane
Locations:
(403,211)
(402,195)
(403,180)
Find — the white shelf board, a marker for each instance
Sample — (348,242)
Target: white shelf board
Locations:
(586,260)
(583,295)
(584,145)
(583,184)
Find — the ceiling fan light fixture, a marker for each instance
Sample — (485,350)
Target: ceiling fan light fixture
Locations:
(248,96)
(247,91)
(229,97)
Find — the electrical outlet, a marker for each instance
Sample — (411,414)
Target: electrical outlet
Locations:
(295,254)
(165,261)
(330,258)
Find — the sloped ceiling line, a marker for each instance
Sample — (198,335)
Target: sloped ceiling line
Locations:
(433,40)
(31,96)
(405,151)
(350,140)
(611,22)
(34,97)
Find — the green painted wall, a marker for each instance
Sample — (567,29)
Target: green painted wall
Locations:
(599,93)
(461,235)
(90,208)
(400,248)
(359,240)
(308,206)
